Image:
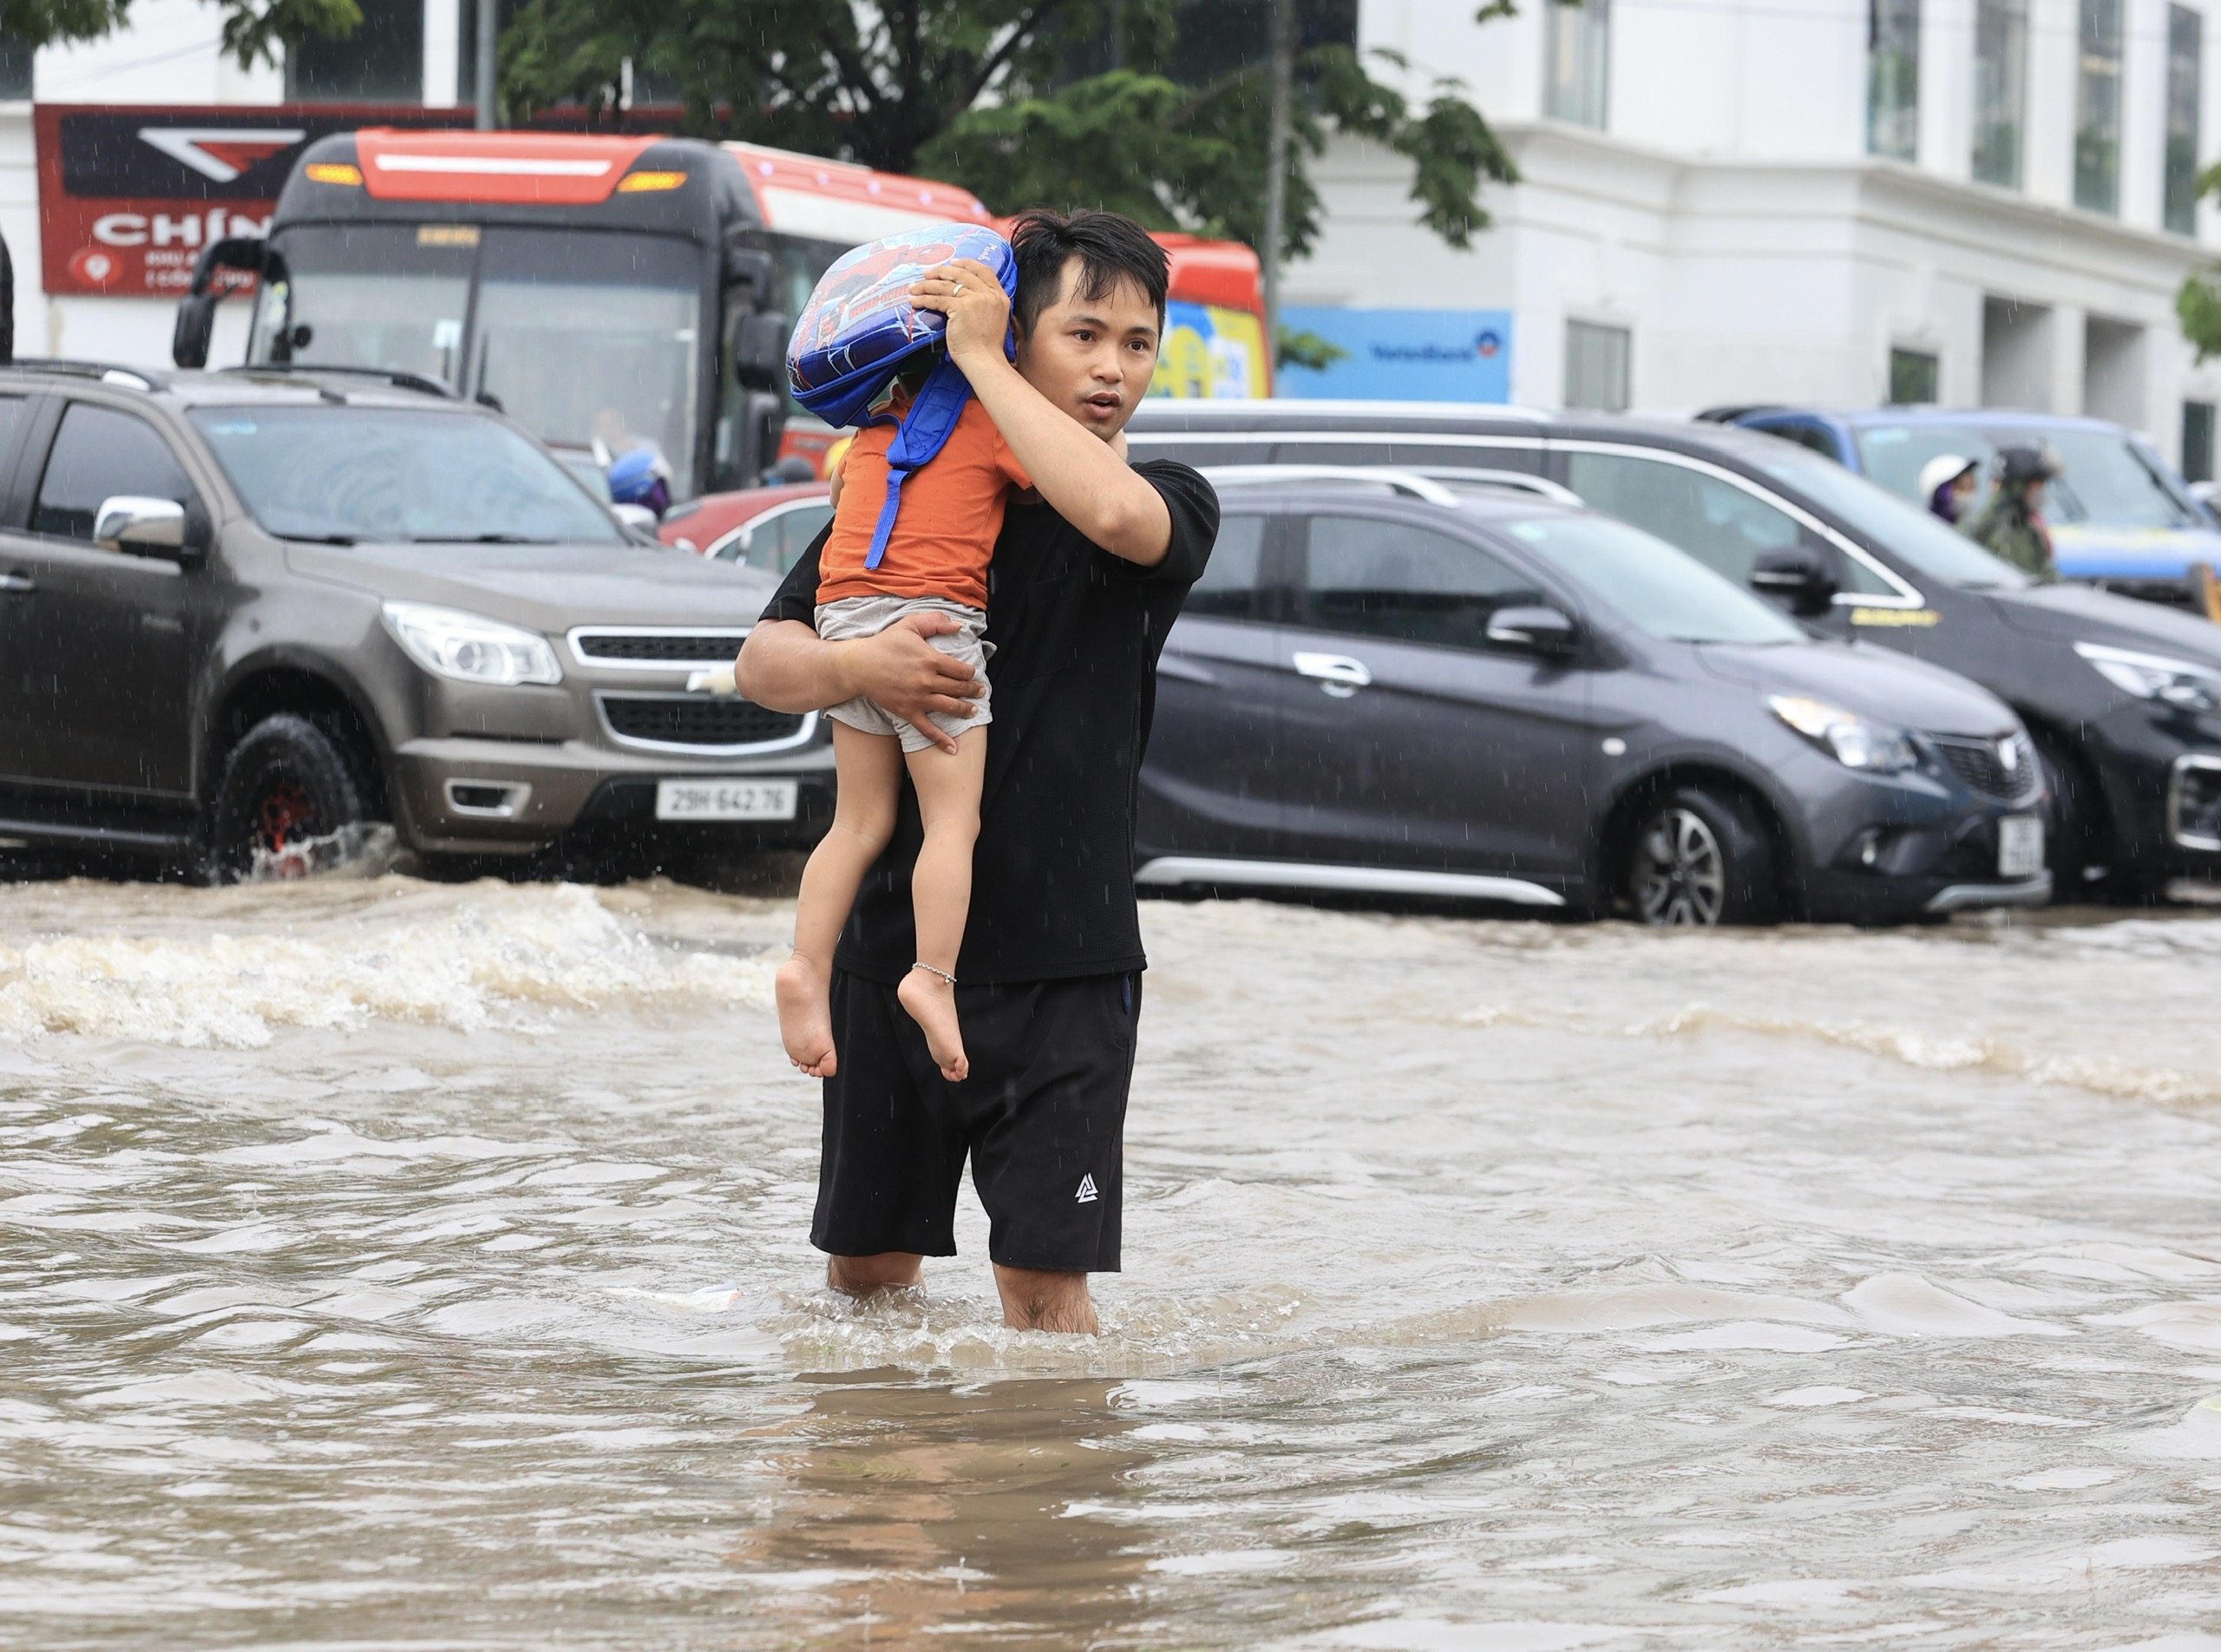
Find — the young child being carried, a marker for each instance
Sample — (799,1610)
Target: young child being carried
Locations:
(935,561)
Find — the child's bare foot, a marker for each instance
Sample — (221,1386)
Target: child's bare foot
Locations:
(805,1017)
(931,1000)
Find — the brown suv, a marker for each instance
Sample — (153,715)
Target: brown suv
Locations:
(244,613)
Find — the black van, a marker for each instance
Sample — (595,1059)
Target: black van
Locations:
(2123,699)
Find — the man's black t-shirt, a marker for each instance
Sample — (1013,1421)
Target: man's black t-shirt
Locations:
(1077,633)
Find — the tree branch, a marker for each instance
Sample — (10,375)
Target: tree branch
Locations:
(1224,84)
(1021,31)
(855,72)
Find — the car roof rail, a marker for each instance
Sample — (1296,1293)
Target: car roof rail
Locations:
(130,378)
(399,377)
(1519,481)
(1404,481)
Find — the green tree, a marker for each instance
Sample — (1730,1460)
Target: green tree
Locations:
(986,93)
(253,30)
(2199,304)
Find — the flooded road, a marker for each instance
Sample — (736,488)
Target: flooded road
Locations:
(393,1265)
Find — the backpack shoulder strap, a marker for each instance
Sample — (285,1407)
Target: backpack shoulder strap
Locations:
(927,423)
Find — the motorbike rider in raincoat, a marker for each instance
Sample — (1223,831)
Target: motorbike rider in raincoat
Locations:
(1948,483)
(2011,526)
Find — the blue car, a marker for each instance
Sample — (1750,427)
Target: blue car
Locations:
(2119,516)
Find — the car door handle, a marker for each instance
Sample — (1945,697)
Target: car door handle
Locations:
(1337,674)
(17,583)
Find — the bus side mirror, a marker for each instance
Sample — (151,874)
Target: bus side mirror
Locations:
(196,324)
(196,311)
(747,266)
(763,421)
(759,350)
(7,305)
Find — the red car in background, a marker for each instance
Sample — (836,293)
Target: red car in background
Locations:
(757,528)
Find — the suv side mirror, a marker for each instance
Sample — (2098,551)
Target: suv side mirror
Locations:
(1797,576)
(1533,630)
(134,522)
(759,350)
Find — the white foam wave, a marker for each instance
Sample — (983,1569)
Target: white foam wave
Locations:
(2142,938)
(2182,1325)
(356,851)
(1933,1053)
(1632,1307)
(1907,1305)
(498,955)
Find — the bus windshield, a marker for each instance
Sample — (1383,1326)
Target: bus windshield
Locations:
(583,337)
(371,295)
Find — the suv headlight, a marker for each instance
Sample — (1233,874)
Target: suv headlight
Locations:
(1852,741)
(471,648)
(2154,676)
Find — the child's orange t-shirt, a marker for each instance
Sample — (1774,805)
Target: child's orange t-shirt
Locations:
(952,514)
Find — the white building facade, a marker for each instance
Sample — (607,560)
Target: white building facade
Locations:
(412,52)
(1839,202)
(1836,202)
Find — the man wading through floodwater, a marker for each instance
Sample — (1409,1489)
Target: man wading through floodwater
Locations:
(1088,576)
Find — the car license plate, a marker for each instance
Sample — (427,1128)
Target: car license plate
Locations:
(724,800)
(2019,846)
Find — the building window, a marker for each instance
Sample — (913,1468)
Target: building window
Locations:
(1893,79)
(1597,367)
(383,61)
(2097,109)
(2197,440)
(1914,375)
(2186,88)
(2001,89)
(1576,73)
(14,69)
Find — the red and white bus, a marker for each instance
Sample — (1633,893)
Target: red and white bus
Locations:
(609,291)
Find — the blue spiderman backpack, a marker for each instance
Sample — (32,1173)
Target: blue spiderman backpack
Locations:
(859,330)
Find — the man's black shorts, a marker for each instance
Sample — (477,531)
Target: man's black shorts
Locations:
(1043,1117)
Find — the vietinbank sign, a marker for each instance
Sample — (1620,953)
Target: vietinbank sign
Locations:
(128,196)
(1404,355)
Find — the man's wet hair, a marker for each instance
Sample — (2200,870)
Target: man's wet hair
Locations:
(1111,247)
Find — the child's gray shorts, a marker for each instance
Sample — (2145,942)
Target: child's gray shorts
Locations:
(853,617)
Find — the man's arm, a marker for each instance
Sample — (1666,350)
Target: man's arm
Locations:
(787,666)
(1085,480)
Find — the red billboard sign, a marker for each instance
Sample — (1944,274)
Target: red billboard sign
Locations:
(128,196)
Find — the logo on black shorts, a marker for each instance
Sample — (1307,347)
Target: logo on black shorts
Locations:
(1087,1193)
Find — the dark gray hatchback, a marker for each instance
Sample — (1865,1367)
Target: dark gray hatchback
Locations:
(1387,684)
(2123,699)
(241,614)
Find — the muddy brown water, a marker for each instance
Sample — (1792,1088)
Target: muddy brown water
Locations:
(387,1264)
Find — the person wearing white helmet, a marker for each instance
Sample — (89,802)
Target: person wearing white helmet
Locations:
(1948,483)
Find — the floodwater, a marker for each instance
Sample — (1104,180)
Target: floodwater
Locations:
(390,1265)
